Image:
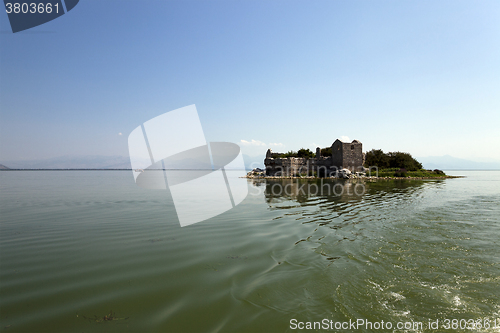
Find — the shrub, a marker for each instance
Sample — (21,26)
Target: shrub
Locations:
(313,173)
(391,160)
(326,152)
(404,161)
(305,153)
(376,157)
(290,153)
(400,173)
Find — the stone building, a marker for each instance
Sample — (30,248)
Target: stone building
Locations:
(345,155)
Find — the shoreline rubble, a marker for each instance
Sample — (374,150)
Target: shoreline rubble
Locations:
(258,173)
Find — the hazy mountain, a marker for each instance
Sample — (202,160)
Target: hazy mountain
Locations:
(252,162)
(3,167)
(106,162)
(448,162)
(73,162)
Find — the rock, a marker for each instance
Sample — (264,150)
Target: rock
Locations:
(257,172)
(344,173)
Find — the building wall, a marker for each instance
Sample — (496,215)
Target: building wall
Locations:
(344,155)
(289,166)
(337,154)
(352,156)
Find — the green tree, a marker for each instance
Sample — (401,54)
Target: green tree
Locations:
(399,160)
(290,153)
(403,161)
(376,157)
(326,152)
(305,153)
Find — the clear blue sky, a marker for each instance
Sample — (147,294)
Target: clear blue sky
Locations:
(415,76)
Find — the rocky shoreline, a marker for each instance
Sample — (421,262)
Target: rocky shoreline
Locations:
(342,174)
(354,177)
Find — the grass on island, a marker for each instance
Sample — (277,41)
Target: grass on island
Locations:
(400,173)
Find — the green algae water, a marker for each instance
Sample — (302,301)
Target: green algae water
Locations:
(89,251)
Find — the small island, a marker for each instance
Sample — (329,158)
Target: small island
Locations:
(344,160)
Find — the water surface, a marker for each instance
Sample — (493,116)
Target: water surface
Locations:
(76,245)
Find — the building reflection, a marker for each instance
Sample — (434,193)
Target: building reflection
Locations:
(327,215)
(336,190)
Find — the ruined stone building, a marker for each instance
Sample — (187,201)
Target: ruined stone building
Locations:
(348,155)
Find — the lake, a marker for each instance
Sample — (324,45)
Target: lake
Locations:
(89,251)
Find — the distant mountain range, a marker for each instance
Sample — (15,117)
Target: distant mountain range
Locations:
(72,162)
(448,162)
(100,162)
(252,162)
(445,162)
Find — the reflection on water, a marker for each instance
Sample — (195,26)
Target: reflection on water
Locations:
(303,191)
(336,190)
(337,204)
(77,245)
(402,250)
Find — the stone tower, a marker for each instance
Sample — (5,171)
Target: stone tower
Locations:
(347,155)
